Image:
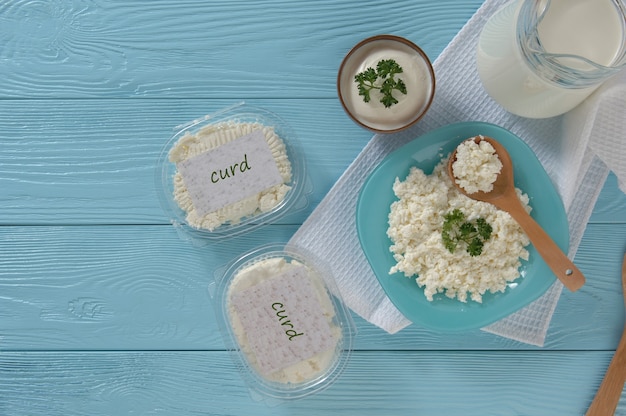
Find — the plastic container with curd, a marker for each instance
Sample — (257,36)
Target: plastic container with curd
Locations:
(230,172)
(283,319)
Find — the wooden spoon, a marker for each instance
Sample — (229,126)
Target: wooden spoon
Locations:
(504,197)
(607,397)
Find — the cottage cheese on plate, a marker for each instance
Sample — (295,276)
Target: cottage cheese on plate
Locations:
(415,226)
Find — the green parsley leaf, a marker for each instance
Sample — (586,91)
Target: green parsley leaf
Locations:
(484,228)
(388,67)
(385,72)
(475,247)
(458,231)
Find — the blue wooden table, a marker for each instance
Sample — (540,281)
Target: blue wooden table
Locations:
(104,310)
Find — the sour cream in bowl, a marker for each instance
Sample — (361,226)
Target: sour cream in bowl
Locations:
(386,83)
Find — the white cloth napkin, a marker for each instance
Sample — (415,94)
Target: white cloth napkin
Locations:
(577,150)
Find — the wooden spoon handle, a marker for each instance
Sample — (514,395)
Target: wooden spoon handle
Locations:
(608,395)
(551,253)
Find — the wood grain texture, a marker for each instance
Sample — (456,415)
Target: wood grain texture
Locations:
(141,287)
(199,48)
(610,203)
(111,287)
(104,310)
(378,383)
(609,393)
(94,161)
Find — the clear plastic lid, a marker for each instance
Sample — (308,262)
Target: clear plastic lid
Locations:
(230,172)
(284,321)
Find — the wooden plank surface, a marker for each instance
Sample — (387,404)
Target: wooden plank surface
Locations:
(378,383)
(94,161)
(141,287)
(105,311)
(201,49)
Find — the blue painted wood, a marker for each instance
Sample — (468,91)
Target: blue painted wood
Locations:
(104,310)
(610,204)
(201,49)
(375,383)
(94,161)
(141,287)
(58,161)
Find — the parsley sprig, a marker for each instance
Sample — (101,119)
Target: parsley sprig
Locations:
(458,231)
(385,71)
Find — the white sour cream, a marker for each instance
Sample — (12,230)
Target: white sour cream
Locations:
(417,75)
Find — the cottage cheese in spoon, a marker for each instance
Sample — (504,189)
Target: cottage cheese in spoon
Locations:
(477,166)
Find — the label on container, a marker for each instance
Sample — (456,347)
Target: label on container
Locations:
(230,173)
(283,320)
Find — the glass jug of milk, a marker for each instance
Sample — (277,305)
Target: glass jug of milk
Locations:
(541,58)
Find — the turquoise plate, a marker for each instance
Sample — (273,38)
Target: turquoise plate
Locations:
(426,152)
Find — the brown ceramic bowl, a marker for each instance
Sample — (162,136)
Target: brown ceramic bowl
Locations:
(417,74)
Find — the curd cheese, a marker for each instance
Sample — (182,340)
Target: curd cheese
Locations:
(415,227)
(476,166)
(306,369)
(211,137)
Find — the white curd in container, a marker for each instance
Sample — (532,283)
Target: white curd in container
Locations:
(284,321)
(230,172)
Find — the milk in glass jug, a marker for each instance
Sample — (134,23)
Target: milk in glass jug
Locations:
(541,58)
